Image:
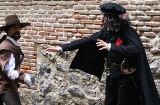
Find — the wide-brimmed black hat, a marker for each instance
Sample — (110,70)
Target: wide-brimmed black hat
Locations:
(112,9)
(11,20)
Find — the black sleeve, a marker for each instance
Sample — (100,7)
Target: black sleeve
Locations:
(77,44)
(130,49)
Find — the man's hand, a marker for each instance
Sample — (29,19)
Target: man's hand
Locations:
(103,45)
(54,49)
(29,80)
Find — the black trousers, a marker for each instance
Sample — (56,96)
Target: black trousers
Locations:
(122,90)
(10,98)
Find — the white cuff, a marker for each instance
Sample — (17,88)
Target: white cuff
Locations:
(109,47)
(13,74)
(61,49)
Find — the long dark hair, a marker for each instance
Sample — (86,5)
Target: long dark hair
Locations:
(124,21)
(118,22)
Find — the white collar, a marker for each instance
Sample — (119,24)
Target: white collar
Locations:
(11,39)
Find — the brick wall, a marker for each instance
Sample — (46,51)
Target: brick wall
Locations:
(55,22)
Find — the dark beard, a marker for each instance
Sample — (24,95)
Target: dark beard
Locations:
(16,36)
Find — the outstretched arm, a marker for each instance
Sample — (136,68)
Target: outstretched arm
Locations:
(77,44)
(54,49)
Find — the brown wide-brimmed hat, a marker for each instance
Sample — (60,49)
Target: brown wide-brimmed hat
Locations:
(11,20)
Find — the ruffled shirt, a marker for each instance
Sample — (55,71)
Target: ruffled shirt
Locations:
(10,65)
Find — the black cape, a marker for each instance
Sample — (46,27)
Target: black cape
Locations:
(90,60)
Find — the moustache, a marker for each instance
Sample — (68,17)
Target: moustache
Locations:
(16,33)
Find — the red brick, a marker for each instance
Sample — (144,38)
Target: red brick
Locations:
(62,20)
(151,2)
(51,37)
(24,44)
(89,2)
(152,24)
(32,45)
(26,67)
(79,7)
(30,40)
(38,25)
(94,31)
(156,7)
(93,26)
(97,22)
(156,18)
(33,65)
(159,37)
(59,29)
(86,21)
(144,29)
(78,35)
(70,30)
(44,33)
(55,33)
(153,13)
(52,20)
(41,41)
(33,60)
(32,49)
(68,34)
(62,38)
(33,20)
(68,26)
(34,57)
(35,37)
(57,42)
(156,29)
(91,7)
(73,21)
(86,35)
(84,31)
(131,7)
(33,68)
(49,29)
(35,28)
(26,59)
(80,16)
(29,71)
(30,32)
(27,28)
(149,34)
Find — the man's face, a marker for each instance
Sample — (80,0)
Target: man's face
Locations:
(105,21)
(14,31)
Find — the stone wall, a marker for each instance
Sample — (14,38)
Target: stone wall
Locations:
(56,22)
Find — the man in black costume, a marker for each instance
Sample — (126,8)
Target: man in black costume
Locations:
(130,81)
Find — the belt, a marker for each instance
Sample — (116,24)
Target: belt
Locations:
(115,66)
